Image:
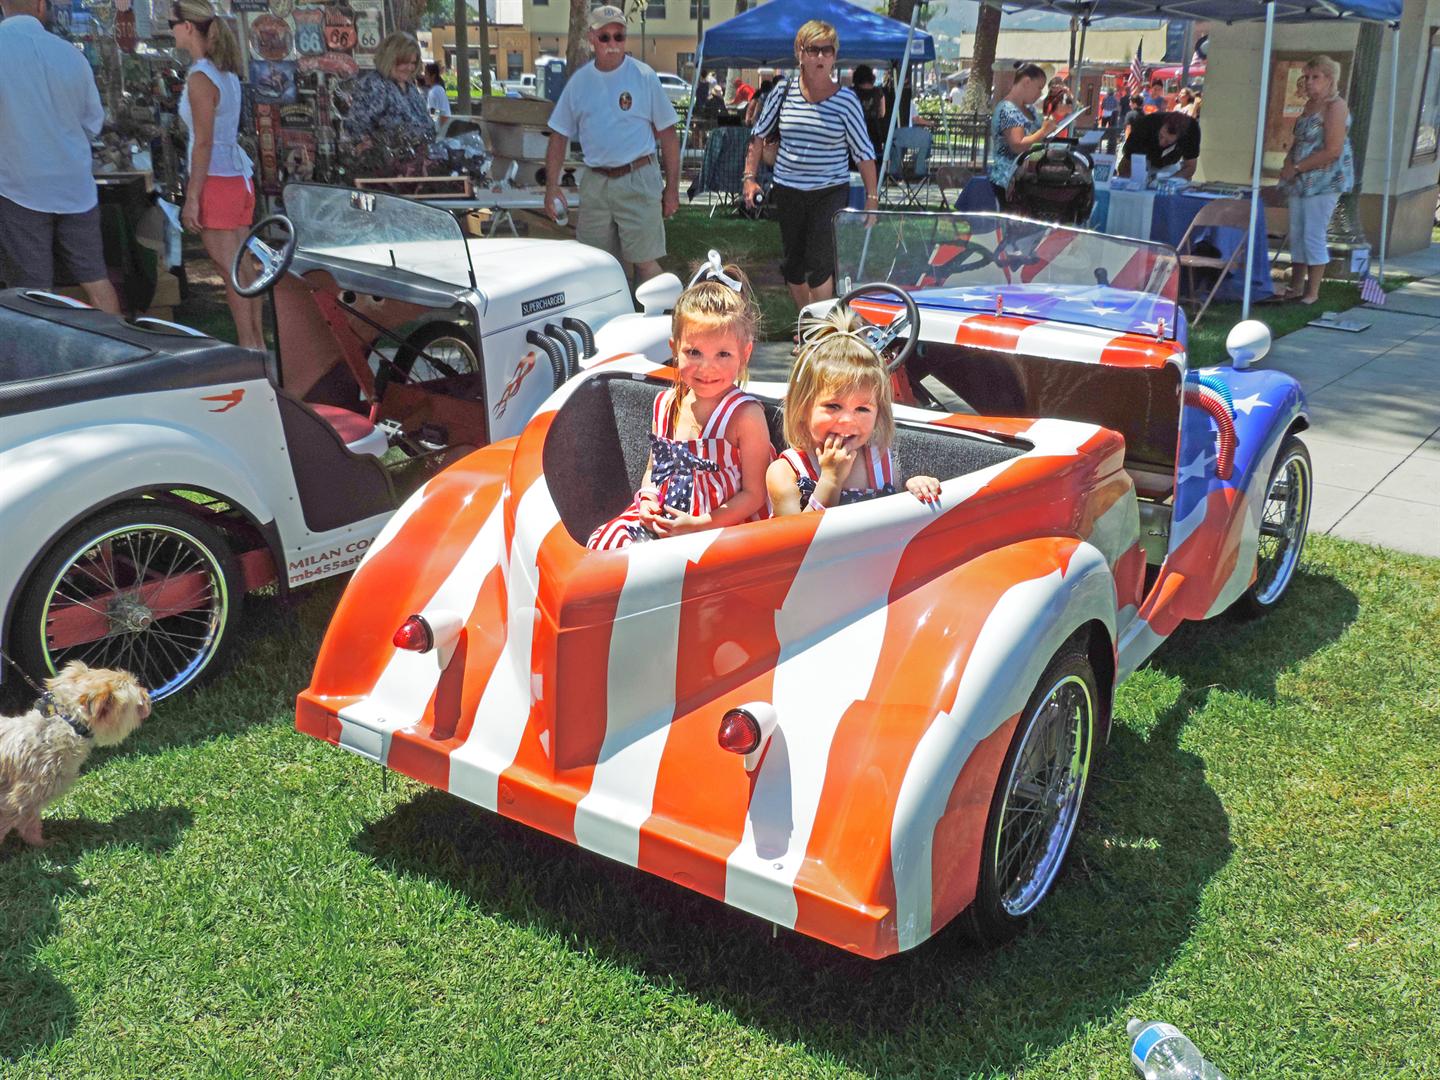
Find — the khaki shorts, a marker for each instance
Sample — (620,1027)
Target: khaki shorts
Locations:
(622,214)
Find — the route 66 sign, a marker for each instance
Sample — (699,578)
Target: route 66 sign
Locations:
(339,28)
(309,31)
(369,29)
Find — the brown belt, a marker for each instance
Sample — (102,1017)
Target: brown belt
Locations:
(613,171)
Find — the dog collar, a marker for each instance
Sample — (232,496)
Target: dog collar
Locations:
(50,707)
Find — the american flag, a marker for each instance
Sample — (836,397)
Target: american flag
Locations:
(1371,292)
(1136,82)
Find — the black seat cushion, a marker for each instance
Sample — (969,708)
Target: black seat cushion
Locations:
(598,446)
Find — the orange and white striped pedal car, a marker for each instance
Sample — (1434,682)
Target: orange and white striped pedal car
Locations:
(863,723)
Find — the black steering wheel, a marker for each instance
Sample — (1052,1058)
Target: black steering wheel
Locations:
(982,256)
(274,261)
(906,325)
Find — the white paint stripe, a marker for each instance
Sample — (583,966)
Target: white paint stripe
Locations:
(999,676)
(1078,344)
(831,629)
(504,708)
(409,679)
(1116,530)
(394,525)
(640,697)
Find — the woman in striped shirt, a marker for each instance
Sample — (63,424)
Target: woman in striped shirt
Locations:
(822,128)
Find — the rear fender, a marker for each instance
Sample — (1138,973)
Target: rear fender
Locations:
(949,696)
(50,484)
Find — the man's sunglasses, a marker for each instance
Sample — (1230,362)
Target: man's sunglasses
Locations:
(819,50)
(606,39)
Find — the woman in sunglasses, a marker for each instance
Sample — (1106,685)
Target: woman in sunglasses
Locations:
(220,195)
(822,129)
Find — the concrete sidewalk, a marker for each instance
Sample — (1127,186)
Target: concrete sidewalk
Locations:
(1375,418)
(1374,412)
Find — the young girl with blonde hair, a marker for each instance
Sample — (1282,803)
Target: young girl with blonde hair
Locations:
(219,197)
(709,444)
(839,422)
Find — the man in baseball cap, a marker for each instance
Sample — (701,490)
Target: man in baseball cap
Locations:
(618,110)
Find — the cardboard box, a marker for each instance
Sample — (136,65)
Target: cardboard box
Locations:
(529,111)
(518,141)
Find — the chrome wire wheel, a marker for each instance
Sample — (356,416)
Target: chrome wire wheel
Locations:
(1042,792)
(1283,523)
(444,357)
(148,590)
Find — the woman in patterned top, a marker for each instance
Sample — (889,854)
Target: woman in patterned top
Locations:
(1318,169)
(822,128)
(386,107)
(1014,128)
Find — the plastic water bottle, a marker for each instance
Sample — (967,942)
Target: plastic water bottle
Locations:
(1161,1052)
(562,210)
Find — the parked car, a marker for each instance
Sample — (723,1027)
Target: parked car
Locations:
(524,85)
(151,476)
(859,724)
(676,88)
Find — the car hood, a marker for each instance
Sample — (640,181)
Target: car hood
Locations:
(519,279)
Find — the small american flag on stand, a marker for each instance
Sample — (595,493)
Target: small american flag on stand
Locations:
(1371,292)
(1136,81)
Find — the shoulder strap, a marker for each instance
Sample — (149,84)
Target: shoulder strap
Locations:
(882,467)
(800,462)
(720,418)
(660,421)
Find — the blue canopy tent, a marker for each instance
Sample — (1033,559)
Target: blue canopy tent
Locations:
(1228,11)
(766,35)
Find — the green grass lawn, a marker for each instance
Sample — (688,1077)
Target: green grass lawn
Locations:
(1257,864)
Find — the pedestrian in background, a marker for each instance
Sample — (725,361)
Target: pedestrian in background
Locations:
(220,194)
(1014,127)
(617,109)
(822,129)
(49,112)
(436,98)
(1319,168)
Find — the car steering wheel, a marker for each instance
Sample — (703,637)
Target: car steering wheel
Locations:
(964,263)
(906,325)
(274,261)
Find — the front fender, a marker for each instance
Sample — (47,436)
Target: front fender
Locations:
(934,734)
(51,483)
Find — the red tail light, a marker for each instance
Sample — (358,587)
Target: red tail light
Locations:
(739,732)
(414,634)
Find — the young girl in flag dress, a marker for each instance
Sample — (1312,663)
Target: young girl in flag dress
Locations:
(839,423)
(709,444)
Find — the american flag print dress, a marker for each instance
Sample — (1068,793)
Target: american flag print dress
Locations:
(807,475)
(693,475)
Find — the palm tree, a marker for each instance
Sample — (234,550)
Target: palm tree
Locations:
(982,62)
(577,48)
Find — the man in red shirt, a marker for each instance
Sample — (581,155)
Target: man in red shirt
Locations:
(741,91)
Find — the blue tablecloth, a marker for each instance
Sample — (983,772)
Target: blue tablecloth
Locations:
(1171,216)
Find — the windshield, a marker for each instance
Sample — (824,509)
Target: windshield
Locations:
(379,230)
(993,264)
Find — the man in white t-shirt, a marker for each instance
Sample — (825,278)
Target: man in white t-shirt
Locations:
(49,112)
(617,109)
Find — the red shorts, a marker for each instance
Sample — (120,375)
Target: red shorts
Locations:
(227,202)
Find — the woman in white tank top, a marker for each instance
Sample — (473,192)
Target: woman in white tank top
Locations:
(220,196)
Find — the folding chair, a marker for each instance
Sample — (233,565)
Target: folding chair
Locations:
(723,166)
(909,167)
(1218,214)
(1277,222)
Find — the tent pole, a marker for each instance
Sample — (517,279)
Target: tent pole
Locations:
(1259,150)
(899,100)
(690,109)
(890,134)
(1389,149)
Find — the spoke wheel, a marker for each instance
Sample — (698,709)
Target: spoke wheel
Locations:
(1037,799)
(437,351)
(1284,520)
(146,588)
